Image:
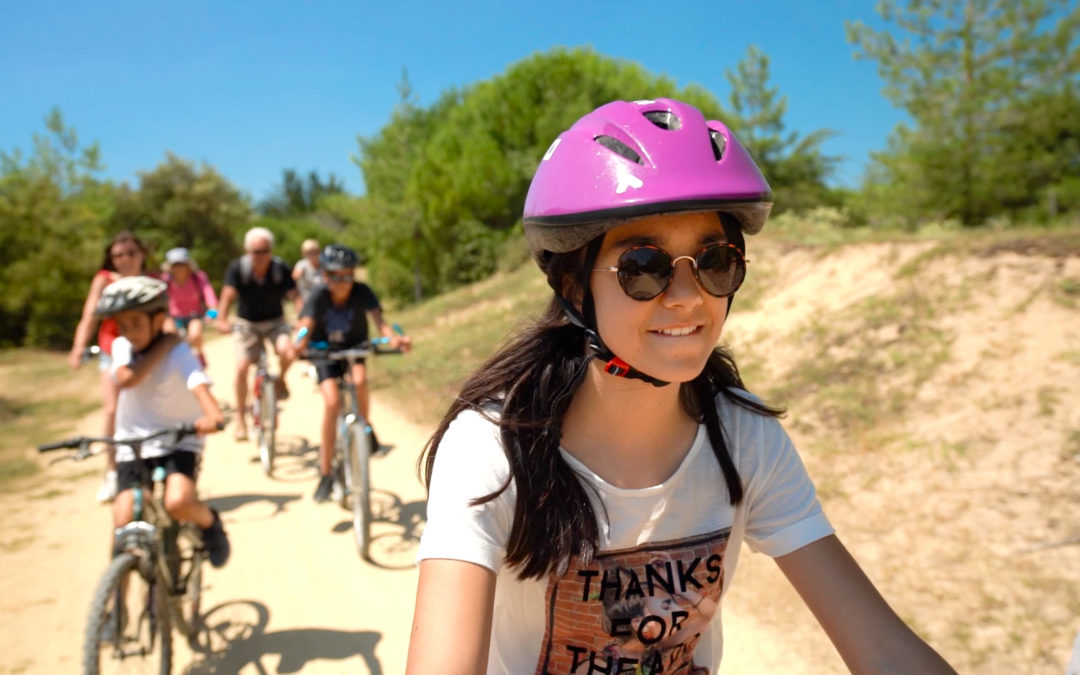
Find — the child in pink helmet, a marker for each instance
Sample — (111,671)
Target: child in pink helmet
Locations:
(592,484)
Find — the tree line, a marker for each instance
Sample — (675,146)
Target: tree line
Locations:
(990,88)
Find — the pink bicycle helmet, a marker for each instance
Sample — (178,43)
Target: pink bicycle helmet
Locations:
(630,159)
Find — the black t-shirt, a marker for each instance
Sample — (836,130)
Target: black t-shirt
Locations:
(260,301)
(343,325)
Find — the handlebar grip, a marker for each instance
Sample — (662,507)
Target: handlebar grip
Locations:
(211,313)
(61,445)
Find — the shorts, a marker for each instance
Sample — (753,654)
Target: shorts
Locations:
(328,369)
(129,475)
(104,362)
(250,336)
(183,321)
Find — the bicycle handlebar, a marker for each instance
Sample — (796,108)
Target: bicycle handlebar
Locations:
(322,350)
(82,443)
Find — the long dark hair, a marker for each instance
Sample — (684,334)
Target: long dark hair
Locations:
(526,387)
(120,238)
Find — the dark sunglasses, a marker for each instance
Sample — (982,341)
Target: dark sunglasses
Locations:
(338,278)
(259,251)
(125,253)
(646,271)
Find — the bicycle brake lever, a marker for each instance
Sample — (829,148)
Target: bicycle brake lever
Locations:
(84,450)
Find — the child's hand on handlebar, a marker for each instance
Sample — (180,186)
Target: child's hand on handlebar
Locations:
(209,424)
(402,342)
(291,352)
(222,324)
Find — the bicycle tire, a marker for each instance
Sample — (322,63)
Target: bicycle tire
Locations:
(145,604)
(267,425)
(337,466)
(191,556)
(358,478)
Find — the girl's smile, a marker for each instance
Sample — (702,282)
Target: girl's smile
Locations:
(677,332)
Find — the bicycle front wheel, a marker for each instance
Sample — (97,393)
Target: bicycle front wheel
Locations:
(267,424)
(128,629)
(190,558)
(358,480)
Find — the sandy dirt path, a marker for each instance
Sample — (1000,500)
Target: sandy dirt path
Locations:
(295,596)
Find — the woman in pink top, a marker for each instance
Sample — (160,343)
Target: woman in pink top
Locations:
(190,297)
(124,256)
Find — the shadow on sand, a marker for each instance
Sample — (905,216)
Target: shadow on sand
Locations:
(227,503)
(296,460)
(234,637)
(396,549)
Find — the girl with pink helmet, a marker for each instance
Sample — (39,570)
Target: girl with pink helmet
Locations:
(592,484)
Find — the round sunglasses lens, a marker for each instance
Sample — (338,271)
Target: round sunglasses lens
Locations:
(644,272)
(721,270)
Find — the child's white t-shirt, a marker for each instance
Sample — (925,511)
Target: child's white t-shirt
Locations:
(650,601)
(163,399)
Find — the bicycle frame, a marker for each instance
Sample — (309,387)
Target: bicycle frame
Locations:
(264,412)
(152,536)
(264,406)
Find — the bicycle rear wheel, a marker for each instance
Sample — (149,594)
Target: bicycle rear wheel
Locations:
(358,479)
(267,424)
(128,629)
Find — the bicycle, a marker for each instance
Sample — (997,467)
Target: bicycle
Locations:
(156,579)
(264,409)
(91,352)
(355,443)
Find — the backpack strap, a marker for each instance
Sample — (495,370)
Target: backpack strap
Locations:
(200,286)
(247,269)
(277,267)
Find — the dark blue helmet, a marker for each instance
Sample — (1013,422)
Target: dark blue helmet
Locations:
(338,257)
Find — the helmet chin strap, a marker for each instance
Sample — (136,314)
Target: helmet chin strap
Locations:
(613,365)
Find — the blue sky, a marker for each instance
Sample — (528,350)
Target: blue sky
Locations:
(255,87)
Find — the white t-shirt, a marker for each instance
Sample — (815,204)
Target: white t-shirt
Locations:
(650,601)
(163,399)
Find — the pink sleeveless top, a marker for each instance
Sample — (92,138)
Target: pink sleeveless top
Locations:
(192,298)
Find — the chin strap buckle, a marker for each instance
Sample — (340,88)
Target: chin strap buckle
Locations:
(617,367)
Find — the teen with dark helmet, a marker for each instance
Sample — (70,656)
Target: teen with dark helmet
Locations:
(337,313)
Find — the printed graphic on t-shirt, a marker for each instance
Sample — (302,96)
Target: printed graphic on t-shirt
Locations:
(640,611)
(338,322)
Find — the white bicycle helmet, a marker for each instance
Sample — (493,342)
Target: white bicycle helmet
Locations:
(142,293)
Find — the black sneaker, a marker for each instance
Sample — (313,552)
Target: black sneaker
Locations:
(377,449)
(216,542)
(326,486)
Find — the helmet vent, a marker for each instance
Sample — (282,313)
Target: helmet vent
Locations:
(619,148)
(719,144)
(664,119)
